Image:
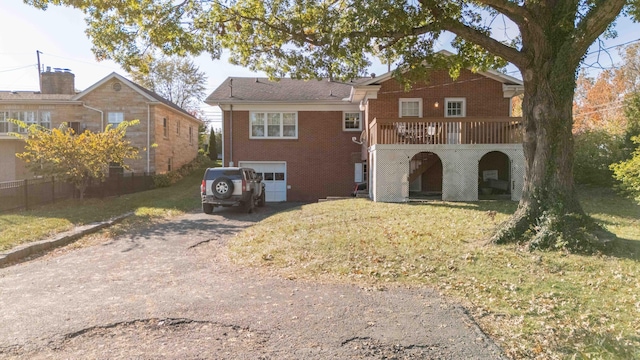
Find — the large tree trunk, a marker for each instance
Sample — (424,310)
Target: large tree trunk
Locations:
(549,214)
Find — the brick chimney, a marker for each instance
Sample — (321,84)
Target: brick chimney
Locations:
(58,81)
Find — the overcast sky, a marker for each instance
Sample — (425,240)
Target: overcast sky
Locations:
(58,34)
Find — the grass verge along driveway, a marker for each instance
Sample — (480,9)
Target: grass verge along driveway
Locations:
(542,305)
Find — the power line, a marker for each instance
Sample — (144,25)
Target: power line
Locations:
(18,68)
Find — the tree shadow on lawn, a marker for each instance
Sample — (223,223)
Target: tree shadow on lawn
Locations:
(624,249)
(209,227)
(503,207)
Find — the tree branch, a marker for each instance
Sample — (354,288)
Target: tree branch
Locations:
(490,44)
(514,12)
(595,23)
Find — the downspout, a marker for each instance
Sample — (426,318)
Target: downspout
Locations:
(101,115)
(231,135)
(222,137)
(148,136)
(230,124)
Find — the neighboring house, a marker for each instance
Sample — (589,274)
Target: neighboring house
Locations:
(443,139)
(167,135)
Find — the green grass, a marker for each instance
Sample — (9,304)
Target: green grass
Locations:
(543,305)
(27,226)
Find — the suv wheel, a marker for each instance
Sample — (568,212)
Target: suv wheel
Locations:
(207,208)
(222,188)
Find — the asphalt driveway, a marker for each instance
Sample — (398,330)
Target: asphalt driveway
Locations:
(168,291)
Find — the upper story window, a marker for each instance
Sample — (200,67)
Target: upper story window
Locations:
(273,125)
(165,127)
(190,135)
(351,121)
(178,127)
(455,107)
(115,118)
(410,107)
(42,118)
(45,119)
(5,125)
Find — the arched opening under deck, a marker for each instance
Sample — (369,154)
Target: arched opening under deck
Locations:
(494,176)
(425,176)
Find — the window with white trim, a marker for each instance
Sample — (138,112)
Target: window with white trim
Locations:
(42,118)
(273,125)
(22,116)
(115,118)
(351,121)
(5,125)
(45,119)
(410,107)
(455,107)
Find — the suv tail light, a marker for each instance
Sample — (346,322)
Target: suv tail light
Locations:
(245,185)
(203,187)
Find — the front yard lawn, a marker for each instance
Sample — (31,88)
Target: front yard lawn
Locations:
(27,226)
(541,305)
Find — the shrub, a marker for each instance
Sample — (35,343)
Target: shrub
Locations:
(628,173)
(595,151)
(172,177)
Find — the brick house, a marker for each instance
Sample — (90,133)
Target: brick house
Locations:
(445,139)
(109,101)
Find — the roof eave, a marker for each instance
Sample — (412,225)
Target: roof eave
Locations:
(39,102)
(215,102)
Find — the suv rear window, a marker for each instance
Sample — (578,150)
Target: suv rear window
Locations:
(213,174)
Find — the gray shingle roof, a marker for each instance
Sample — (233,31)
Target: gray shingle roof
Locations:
(247,90)
(158,97)
(33,95)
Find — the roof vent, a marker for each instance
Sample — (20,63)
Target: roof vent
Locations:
(257,80)
(373,75)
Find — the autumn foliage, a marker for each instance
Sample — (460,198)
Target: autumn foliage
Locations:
(76,158)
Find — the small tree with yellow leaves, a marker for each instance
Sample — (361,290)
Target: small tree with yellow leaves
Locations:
(76,158)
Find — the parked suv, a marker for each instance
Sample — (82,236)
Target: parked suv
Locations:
(228,186)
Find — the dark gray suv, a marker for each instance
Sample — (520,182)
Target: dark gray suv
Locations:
(228,186)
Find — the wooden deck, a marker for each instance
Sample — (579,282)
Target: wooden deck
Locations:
(437,131)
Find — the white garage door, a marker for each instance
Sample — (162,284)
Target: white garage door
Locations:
(274,176)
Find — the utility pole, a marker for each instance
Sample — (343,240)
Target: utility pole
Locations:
(39,69)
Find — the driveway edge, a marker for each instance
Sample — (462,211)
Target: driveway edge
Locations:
(23,251)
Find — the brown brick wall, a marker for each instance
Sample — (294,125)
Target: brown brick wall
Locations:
(319,163)
(175,145)
(134,106)
(484,96)
(11,167)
